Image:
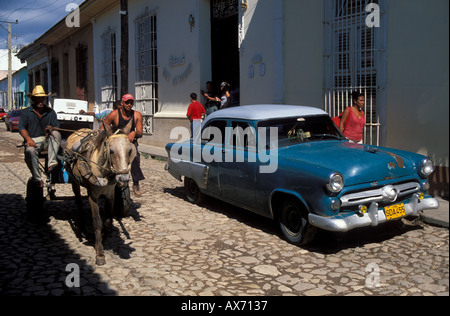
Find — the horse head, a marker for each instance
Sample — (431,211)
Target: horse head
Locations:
(120,153)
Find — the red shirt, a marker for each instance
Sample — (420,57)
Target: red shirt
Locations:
(355,127)
(195,111)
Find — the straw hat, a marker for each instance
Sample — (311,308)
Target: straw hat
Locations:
(38,91)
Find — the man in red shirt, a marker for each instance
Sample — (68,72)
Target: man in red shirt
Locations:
(196,112)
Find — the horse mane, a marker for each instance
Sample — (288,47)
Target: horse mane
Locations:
(100,139)
(102,136)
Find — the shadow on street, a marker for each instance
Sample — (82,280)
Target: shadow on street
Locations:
(34,258)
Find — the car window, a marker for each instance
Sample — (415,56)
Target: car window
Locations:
(2,111)
(291,131)
(243,135)
(214,132)
(15,113)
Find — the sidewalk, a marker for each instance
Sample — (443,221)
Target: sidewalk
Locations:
(153,151)
(438,217)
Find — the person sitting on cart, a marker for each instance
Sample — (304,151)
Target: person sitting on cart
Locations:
(36,123)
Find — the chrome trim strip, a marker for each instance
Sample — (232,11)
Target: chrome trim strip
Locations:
(376,195)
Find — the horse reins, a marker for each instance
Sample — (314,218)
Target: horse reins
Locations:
(106,150)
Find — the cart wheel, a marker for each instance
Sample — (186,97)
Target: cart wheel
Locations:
(35,203)
(122,202)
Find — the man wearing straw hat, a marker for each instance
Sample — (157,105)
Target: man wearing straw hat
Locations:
(35,123)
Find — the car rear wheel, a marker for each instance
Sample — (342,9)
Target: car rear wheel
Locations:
(193,193)
(294,223)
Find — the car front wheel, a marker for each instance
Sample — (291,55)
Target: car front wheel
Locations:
(294,223)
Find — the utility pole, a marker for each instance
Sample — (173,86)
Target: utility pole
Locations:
(9,105)
(124,47)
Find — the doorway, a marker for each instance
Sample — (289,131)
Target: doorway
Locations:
(224,46)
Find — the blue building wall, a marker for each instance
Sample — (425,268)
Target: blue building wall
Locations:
(19,88)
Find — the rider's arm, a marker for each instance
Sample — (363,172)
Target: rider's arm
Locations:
(23,125)
(111,119)
(53,122)
(139,125)
(28,140)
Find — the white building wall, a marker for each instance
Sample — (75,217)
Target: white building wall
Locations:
(417,112)
(183,52)
(281,52)
(108,20)
(303,49)
(257,58)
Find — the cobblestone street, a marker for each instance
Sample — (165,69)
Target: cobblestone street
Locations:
(170,247)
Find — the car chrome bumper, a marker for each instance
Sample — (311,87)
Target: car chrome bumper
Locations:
(373,217)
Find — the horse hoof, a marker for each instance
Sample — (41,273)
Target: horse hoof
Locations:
(100,261)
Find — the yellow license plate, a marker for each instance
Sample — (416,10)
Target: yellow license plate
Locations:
(395,211)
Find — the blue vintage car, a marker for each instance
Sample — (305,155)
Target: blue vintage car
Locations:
(293,165)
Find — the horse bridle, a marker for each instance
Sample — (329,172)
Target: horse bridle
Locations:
(107,151)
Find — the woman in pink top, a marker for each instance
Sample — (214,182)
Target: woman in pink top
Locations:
(353,120)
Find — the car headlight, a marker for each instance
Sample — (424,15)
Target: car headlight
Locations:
(335,182)
(426,167)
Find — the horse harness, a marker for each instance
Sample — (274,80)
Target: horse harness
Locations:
(87,147)
(107,151)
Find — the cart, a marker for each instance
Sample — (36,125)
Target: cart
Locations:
(36,195)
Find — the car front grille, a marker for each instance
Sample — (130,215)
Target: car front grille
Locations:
(385,194)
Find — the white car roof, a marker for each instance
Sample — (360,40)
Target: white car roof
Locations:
(265,111)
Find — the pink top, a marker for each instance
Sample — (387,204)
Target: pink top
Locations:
(354,128)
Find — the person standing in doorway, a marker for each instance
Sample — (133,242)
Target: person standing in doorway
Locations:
(195,113)
(225,100)
(353,119)
(211,104)
(119,119)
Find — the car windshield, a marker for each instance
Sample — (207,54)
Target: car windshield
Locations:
(15,113)
(292,131)
(2,111)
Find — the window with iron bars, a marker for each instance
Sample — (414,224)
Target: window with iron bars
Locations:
(354,60)
(147,98)
(109,70)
